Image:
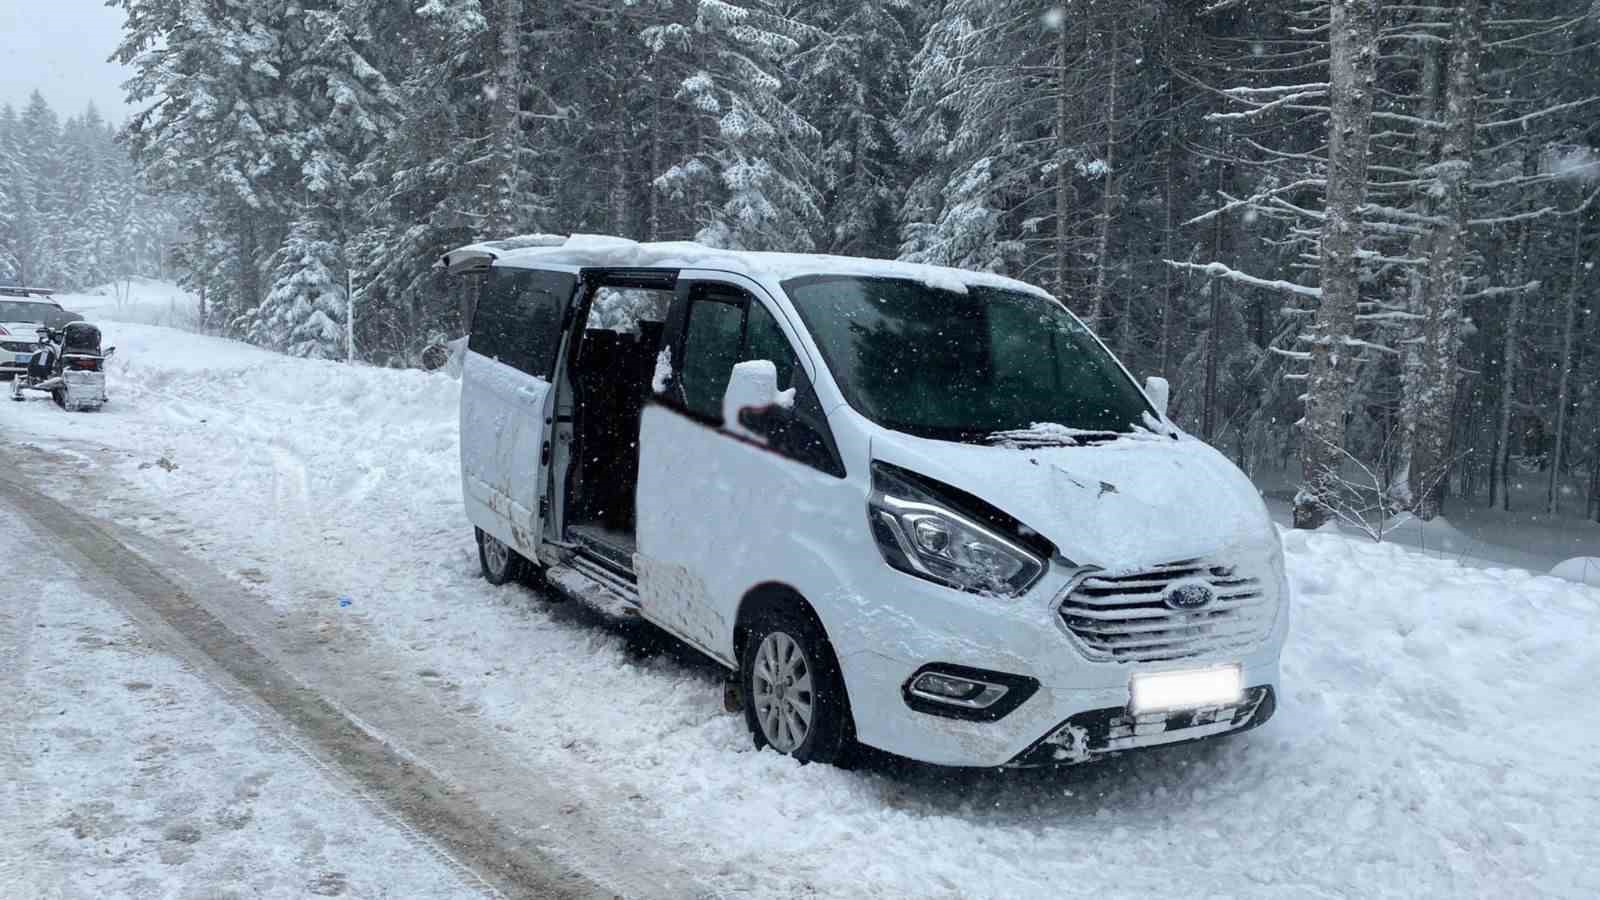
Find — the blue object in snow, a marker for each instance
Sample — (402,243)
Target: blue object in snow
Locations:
(345,601)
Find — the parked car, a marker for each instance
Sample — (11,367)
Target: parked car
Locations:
(917,508)
(22,311)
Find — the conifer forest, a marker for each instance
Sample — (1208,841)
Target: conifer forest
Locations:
(1357,236)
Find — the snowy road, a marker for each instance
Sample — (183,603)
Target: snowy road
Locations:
(156,746)
(130,769)
(1436,734)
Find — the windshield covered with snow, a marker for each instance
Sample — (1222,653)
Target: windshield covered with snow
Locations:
(963,365)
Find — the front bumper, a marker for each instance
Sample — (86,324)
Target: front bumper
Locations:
(1115,729)
(1079,708)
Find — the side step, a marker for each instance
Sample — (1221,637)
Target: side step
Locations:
(596,587)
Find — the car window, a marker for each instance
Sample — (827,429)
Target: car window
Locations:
(765,340)
(13,311)
(518,318)
(710,349)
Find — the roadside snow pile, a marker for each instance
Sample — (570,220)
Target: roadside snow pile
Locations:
(141,300)
(1435,734)
(1583,570)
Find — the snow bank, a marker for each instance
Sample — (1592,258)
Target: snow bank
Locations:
(1435,734)
(140,300)
(1583,570)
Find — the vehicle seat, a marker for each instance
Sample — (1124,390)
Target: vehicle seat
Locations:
(80,337)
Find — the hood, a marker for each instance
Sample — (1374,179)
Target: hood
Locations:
(1124,505)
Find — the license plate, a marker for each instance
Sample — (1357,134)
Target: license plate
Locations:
(23,358)
(1190,689)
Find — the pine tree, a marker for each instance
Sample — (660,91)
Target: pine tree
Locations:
(303,314)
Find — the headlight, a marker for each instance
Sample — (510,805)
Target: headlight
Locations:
(921,534)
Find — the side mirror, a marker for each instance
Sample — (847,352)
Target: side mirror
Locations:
(752,386)
(107,354)
(752,403)
(1159,391)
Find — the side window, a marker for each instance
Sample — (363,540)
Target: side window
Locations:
(710,349)
(518,318)
(763,339)
(724,329)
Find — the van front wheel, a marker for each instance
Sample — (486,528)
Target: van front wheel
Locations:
(500,563)
(794,697)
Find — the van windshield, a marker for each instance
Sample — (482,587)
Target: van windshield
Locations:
(963,366)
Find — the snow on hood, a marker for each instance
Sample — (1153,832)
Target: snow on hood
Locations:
(1123,505)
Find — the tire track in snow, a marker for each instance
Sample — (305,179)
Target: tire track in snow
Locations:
(18,793)
(435,815)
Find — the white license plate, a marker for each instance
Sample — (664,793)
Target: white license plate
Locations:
(23,358)
(1190,689)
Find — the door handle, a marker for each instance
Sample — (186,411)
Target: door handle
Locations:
(530,393)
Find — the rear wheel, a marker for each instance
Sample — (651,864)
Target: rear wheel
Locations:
(500,563)
(59,395)
(793,695)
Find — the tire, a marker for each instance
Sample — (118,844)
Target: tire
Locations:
(792,645)
(59,395)
(500,564)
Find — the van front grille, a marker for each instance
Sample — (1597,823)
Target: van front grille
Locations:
(1127,618)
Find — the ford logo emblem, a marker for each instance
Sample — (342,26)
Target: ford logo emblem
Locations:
(1189,596)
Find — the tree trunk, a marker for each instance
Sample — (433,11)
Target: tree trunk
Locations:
(653,228)
(1063,171)
(1564,382)
(1412,388)
(1353,54)
(1108,188)
(1208,406)
(1430,446)
(1169,294)
(1510,361)
(504,116)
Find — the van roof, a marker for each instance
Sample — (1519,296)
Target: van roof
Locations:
(599,251)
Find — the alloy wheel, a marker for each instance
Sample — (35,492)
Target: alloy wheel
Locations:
(782,689)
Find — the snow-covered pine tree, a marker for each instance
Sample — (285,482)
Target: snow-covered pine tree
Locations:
(10,193)
(758,148)
(850,84)
(303,314)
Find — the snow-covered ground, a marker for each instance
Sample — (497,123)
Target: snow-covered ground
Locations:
(1436,732)
(142,775)
(1526,537)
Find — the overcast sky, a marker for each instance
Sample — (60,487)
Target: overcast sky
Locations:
(60,47)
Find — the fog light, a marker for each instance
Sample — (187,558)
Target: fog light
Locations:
(948,686)
(963,692)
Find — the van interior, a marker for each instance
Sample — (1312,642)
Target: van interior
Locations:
(600,408)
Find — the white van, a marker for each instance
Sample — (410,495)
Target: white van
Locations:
(917,508)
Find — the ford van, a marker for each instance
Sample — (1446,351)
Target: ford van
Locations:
(914,508)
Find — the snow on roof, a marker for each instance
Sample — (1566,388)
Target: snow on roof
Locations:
(600,251)
(27,294)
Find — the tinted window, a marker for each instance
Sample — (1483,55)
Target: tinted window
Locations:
(724,330)
(711,347)
(765,340)
(518,318)
(963,365)
(12,311)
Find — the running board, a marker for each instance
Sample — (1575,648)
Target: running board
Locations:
(596,587)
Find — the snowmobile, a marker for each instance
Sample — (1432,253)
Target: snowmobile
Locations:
(67,364)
